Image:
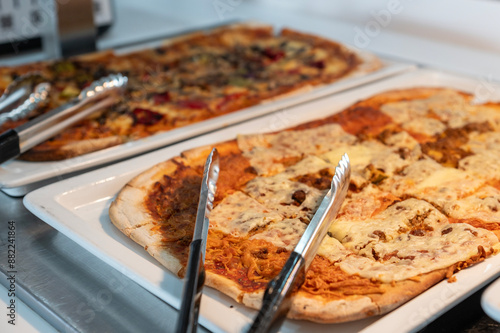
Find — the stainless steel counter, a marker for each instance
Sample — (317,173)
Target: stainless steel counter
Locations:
(69,287)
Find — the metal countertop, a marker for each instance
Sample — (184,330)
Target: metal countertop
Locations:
(70,288)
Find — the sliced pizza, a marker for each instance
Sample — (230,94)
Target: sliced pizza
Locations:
(188,80)
(419,207)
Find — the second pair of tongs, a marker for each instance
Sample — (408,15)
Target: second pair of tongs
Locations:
(23,96)
(195,272)
(100,94)
(277,297)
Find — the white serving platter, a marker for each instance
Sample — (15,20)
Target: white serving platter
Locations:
(19,177)
(490,300)
(78,207)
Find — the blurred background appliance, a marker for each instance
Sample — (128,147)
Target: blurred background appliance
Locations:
(32,30)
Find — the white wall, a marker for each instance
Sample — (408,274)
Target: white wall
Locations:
(471,23)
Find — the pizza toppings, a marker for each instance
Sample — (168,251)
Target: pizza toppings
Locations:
(413,232)
(239,214)
(273,55)
(277,193)
(146,117)
(161,98)
(266,152)
(250,262)
(424,201)
(192,104)
(284,234)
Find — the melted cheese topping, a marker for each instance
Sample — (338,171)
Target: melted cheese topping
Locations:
(402,140)
(421,170)
(483,205)
(427,126)
(310,164)
(408,239)
(356,234)
(267,151)
(485,113)
(413,255)
(291,199)
(484,164)
(486,159)
(375,235)
(428,179)
(483,142)
(332,249)
(373,153)
(238,214)
(364,204)
(277,192)
(443,177)
(120,124)
(360,155)
(447,104)
(285,233)
(390,162)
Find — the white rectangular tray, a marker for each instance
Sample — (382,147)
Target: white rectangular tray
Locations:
(490,300)
(19,177)
(78,208)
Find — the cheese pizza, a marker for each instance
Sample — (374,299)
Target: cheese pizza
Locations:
(188,80)
(423,203)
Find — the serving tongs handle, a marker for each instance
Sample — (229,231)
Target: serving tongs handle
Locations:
(278,295)
(195,279)
(9,145)
(195,274)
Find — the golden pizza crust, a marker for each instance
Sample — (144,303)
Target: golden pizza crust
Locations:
(353,307)
(131,216)
(406,94)
(356,307)
(70,149)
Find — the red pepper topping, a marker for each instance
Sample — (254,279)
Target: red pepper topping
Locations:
(146,117)
(319,64)
(274,55)
(193,104)
(161,98)
(228,99)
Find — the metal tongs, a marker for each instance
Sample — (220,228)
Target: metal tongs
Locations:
(277,297)
(100,94)
(23,95)
(195,275)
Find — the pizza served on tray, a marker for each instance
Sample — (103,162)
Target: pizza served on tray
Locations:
(188,80)
(423,203)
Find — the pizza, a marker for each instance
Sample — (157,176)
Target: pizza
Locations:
(423,203)
(187,80)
